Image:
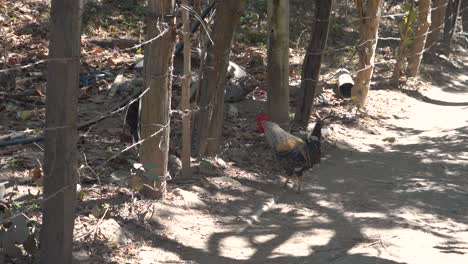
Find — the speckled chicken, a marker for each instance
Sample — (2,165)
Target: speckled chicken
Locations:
(294,154)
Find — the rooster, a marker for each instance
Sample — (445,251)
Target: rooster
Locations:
(294,154)
(132,119)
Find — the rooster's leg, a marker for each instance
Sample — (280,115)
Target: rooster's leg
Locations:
(299,183)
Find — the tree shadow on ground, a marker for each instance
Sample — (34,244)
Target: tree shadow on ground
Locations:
(447,73)
(263,251)
(351,191)
(418,95)
(425,177)
(108,14)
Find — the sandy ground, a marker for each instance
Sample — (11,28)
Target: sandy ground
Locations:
(396,192)
(392,187)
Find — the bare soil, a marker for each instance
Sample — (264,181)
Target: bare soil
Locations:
(392,188)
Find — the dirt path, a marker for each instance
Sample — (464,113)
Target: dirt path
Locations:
(370,201)
(392,191)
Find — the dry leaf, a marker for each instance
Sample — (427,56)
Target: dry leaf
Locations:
(37,171)
(389,139)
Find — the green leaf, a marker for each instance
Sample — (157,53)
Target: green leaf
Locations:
(408,42)
(82,195)
(406,7)
(24,115)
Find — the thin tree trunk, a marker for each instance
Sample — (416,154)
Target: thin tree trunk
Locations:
(202,43)
(451,17)
(368,34)
(278,62)
(186,144)
(346,8)
(60,166)
(156,104)
(465,15)
(403,45)
(197,6)
(439,8)
(417,49)
(213,82)
(313,61)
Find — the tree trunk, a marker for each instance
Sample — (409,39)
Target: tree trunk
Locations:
(278,62)
(402,50)
(368,34)
(451,16)
(156,103)
(313,61)
(203,45)
(186,144)
(60,166)
(439,8)
(465,15)
(213,82)
(417,49)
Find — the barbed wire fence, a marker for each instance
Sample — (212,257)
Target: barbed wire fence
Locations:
(328,50)
(99,169)
(137,46)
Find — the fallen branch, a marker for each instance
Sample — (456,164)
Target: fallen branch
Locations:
(16,134)
(112,43)
(19,141)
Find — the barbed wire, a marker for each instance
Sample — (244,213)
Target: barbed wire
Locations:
(394,15)
(312,53)
(166,30)
(137,46)
(351,47)
(94,56)
(199,19)
(366,67)
(98,170)
(186,112)
(137,95)
(74,184)
(369,66)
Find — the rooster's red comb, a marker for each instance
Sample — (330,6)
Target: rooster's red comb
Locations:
(260,118)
